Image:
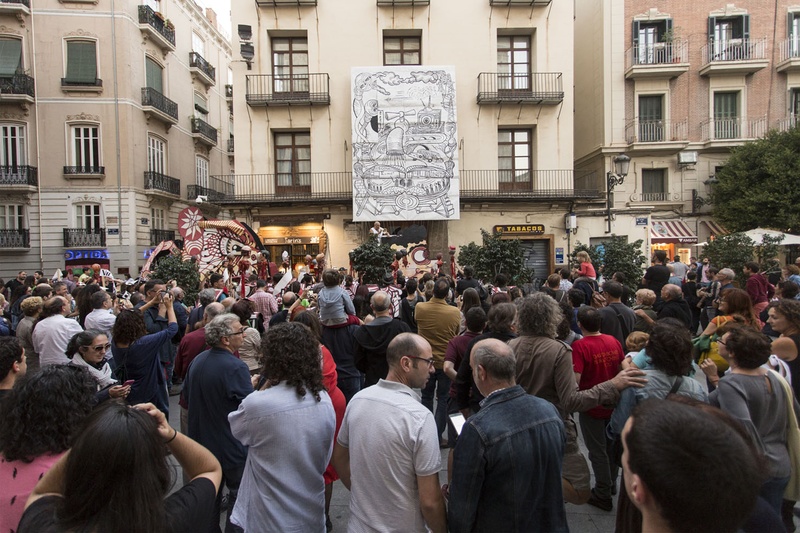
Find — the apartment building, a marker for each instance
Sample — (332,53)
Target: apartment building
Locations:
(113,115)
(513,64)
(674,86)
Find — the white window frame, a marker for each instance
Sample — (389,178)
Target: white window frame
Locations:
(198,44)
(12,217)
(88,216)
(154,4)
(156,154)
(201,171)
(13,148)
(197,112)
(96,160)
(158,218)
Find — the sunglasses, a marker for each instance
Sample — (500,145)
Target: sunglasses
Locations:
(100,348)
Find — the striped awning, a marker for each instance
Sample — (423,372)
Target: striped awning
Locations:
(715,228)
(671,231)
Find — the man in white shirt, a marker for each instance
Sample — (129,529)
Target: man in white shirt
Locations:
(103,315)
(53,333)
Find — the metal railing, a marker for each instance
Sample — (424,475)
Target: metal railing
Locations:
(271,187)
(15,238)
(25,3)
(66,82)
(197,61)
(519,2)
(299,89)
(790,48)
(528,88)
(17,84)
(404,3)
(716,129)
(230,145)
(228,91)
(84,238)
(658,53)
(285,3)
(788,123)
(158,235)
(19,175)
(218,189)
(85,169)
(148,16)
(204,128)
(161,182)
(653,131)
(153,98)
(727,50)
(528,184)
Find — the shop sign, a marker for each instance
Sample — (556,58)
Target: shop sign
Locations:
(113,231)
(289,240)
(77,255)
(520,229)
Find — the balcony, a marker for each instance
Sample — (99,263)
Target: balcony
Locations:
(15,7)
(203,132)
(218,189)
(16,88)
(657,60)
(658,135)
(15,238)
(201,68)
(158,183)
(285,3)
(271,90)
(285,188)
(84,171)
(84,238)
(159,235)
(789,55)
(230,146)
(788,123)
(529,185)
(403,3)
(228,92)
(24,176)
(522,3)
(156,104)
(732,131)
(656,198)
(94,86)
(734,56)
(153,25)
(535,88)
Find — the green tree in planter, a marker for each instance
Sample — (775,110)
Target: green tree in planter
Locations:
(730,251)
(371,260)
(594,254)
(184,272)
(624,257)
(497,255)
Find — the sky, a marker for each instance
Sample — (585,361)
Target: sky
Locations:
(222,8)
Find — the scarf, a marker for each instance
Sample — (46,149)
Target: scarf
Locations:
(101,375)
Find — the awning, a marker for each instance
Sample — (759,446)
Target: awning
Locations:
(715,228)
(671,231)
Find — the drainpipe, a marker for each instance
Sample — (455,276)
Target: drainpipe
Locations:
(36,120)
(116,119)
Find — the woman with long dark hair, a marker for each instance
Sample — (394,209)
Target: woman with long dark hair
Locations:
(128,491)
(87,349)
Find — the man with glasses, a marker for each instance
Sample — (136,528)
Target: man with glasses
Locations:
(400,491)
(215,385)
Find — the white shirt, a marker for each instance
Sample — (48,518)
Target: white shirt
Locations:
(50,339)
(102,320)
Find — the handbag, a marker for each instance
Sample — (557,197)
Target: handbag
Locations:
(792,491)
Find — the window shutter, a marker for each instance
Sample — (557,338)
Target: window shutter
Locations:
(10,57)
(154,75)
(745,27)
(712,22)
(635,39)
(81,62)
(667,30)
(200,104)
(790,26)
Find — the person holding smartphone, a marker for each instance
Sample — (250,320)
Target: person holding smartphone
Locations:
(88,349)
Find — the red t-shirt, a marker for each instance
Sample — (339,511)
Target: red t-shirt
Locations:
(587,269)
(597,359)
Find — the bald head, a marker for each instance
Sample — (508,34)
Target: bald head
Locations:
(496,360)
(288,298)
(211,311)
(671,292)
(404,345)
(381,303)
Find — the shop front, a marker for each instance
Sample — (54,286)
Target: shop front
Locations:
(77,260)
(297,241)
(537,247)
(674,237)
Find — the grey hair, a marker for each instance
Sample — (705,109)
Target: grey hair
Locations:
(206,296)
(728,273)
(538,315)
(213,310)
(496,358)
(220,327)
(380,301)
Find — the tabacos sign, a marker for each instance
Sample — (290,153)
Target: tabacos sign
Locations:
(520,229)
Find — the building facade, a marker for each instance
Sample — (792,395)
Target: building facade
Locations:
(513,64)
(113,115)
(674,86)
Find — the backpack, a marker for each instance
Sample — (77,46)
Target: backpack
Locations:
(591,290)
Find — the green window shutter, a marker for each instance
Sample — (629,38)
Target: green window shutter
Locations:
(10,57)
(81,62)
(154,75)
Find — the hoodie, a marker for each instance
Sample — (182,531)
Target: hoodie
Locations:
(371,341)
(334,303)
(759,288)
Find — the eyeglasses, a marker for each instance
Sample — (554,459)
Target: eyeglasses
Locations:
(722,342)
(100,348)
(429,361)
(240,332)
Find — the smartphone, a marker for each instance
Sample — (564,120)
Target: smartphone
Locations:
(128,383)
(457,420)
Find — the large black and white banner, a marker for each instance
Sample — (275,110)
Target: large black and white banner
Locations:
(405,144)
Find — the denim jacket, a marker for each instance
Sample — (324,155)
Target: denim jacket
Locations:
(507,467)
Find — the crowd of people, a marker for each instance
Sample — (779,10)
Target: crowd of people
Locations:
(681,388)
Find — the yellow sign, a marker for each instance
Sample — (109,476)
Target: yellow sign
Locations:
(522,229)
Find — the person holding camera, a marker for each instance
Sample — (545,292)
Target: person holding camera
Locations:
(158,303)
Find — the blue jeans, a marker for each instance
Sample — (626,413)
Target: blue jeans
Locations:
(350,386)
(440,383)
(772,492)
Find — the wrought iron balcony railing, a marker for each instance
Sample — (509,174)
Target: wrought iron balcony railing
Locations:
(285,3)
(404,3)
(157,181)
(524,3)
(646,54)
(733,50)
(158,235)
(149,17)
(19,175)
(84,238)
(205,129)
(656,131)
(15,238)
(299,89)
(156,100)
(218,189)
(230,145)
(21,84)
(526,88)
(197,61)
(90,169)
(25,3)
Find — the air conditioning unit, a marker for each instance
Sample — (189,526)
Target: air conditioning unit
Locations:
(687,158)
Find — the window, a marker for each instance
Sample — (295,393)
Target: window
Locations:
(201,172)
(290,64)
(513,62)
(514,159)
(13,151)
(201,106)
(726,115)
(651,118)
(728,37)
(157,218)
(12,216)
(654,185)
(88,216)
(401,50)
(293,162)
(646,38)
(10,56)
(198,44)
(230,76)
(86,147)
(81,63)
(794,34)
(156,155)
(154,75)
(794,103)
(154,4)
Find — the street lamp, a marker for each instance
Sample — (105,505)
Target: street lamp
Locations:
(621,164)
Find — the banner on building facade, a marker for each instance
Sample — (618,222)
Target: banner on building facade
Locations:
(405,143)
